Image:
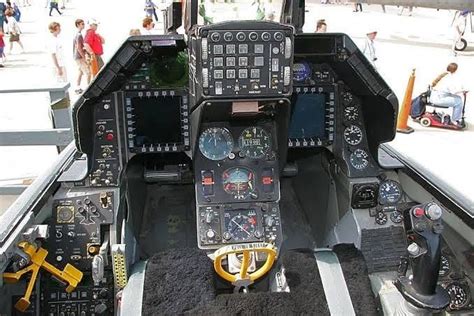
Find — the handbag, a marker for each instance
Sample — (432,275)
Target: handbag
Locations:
(14,37)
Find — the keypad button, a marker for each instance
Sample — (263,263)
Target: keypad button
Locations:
(255,73)
(243,74)
(230,61)
(230,74)
(218,74)
(241,36)
(230,49)
(218,61)
(215,37)
(253,36)
(243,49)
(258,61)
(266,36)
(218,49)
(258,49)
(243,61)
(228,36)
(278,36)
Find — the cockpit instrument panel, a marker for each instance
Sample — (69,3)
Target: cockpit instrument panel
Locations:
(157,121)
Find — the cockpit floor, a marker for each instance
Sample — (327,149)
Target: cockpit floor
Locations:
(181,281)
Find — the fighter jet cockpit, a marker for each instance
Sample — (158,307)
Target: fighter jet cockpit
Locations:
(236,170)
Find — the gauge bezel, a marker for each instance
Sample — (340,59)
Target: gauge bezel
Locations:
(385,201)
(229,149)
(227,217)
(242,146)
(356,113)
(466,290)
(366,157)
(246,193)
(350,142)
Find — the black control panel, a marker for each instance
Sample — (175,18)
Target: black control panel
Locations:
(86,300)
(75,231)
(228,61)
(106,161)
(223,224)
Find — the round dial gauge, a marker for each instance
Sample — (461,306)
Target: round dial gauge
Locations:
(459,295)
(242,225)
(216,143)
(359,159)
(347,98)
(254,142)
(351,113)
(239,182)
(444,266)
(390,192)
(301,71)
(353,135)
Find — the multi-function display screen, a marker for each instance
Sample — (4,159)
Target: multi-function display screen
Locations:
(157,120)
(308,117)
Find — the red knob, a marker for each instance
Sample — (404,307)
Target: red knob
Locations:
(109,136)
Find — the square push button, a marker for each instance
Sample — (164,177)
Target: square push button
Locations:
(218,61)
(243,62)
(230,49)
(230,74)
(258,61)
(218,49)
(230,61)
(243,74)
(258,49)
(243,49)
(254,73)
(218,74)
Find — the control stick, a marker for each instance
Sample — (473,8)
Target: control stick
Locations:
(423,226)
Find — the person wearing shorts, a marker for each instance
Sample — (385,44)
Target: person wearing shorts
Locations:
(79,55)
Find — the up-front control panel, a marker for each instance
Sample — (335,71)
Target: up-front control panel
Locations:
(106,165)
(229,61)
(247,222)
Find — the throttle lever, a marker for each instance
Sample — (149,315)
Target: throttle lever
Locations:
(423,227)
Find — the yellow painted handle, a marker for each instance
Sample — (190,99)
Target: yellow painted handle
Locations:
(244,249)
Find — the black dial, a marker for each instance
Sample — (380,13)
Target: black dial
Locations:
(216,143)
(239,182)
(241,225)
(390,192)
(381,218)
(444,266)
(459,295)
(254,142)
(396,217)
(351,113)
(347,98)
(359,159)
(353,135)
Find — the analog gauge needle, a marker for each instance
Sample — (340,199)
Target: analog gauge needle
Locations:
(240,227)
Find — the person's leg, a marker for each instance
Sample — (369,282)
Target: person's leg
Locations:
(51,7)
(155,15)
(457,108)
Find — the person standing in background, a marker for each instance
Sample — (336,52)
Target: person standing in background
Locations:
(93,44)
(148,26)
(53,5)
(150,9)
(2,47)
(56,48)
(79,55)
(357,5)
(3,17)
(13,30)
(369,47)
(321,26)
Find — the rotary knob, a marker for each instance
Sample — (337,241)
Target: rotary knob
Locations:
(210,234)
(269,221)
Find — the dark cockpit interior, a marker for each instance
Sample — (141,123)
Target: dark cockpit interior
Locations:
(238,170)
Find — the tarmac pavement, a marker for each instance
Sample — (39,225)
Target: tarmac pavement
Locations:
(421,41)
